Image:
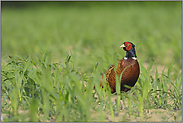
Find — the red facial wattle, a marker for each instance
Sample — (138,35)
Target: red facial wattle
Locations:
(128,45)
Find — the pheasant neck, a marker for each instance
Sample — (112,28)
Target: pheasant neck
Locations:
(131,57)
(131,54)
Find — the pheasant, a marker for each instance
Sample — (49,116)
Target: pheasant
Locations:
(128,65)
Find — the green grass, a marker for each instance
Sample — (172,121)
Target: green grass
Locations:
(57,89)
(51,51)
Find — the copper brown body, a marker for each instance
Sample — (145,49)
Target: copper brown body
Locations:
(128,77)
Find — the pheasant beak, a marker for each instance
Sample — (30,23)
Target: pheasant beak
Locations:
(122,46)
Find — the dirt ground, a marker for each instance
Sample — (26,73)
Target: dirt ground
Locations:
(155,115)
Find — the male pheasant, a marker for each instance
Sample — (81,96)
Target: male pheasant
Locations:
(128,65)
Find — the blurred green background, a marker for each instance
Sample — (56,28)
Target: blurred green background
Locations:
(91,31)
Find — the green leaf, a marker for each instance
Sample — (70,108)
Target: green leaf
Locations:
(33,111)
